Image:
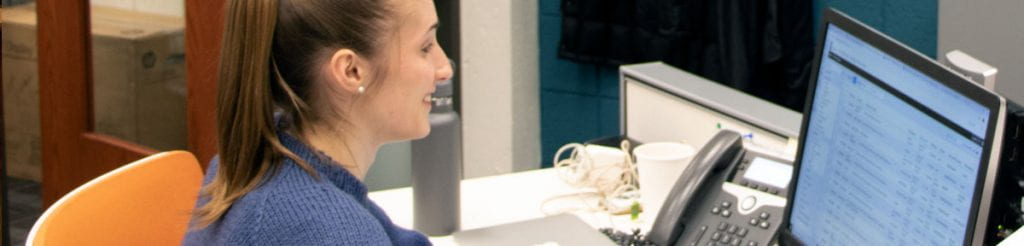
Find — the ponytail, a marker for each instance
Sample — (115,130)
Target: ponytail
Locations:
(248,143)
(267,56)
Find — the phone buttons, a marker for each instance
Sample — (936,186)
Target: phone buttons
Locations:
(764,224)
(748,203)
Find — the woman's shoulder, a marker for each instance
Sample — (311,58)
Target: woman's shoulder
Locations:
(291,207)
(303,214)
(291,187)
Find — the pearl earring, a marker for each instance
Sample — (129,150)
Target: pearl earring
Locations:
(361,89)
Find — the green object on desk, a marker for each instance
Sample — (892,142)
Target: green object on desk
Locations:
(634,210)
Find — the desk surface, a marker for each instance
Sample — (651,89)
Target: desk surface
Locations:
(501,199)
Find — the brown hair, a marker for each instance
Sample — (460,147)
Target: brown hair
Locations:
(269,60)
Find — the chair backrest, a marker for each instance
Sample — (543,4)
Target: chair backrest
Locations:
(147,202)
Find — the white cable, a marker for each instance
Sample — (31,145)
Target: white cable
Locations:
(608,182)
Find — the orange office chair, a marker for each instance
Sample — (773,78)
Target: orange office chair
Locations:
(147,202)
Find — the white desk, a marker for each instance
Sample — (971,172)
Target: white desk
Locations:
(502,199)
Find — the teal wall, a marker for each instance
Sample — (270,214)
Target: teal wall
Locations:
(581,101)
(912,22)
(578,101)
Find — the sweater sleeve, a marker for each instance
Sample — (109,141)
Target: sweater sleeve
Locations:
(311,216)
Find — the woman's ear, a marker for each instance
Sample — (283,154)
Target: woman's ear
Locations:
(348,70)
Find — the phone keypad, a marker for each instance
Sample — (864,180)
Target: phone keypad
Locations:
(761,220)
(727,234)
(722,209)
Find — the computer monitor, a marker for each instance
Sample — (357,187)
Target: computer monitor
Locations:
(894,148)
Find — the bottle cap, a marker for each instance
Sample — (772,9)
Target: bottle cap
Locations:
(445,89)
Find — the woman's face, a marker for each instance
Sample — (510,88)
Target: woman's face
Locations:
(400,106)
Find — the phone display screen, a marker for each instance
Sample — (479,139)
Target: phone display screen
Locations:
(769,172)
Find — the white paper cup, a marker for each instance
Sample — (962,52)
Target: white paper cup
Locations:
(659,165)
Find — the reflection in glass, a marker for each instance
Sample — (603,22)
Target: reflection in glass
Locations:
(139,71)
(21,119)
(21,90)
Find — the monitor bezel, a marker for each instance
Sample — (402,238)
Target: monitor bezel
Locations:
(926,66)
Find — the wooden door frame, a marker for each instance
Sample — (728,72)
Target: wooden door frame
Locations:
(204,24)
(71,152)
(4,231)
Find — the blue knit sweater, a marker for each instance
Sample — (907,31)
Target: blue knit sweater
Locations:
(292,208)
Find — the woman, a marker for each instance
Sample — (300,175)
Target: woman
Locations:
(308,91)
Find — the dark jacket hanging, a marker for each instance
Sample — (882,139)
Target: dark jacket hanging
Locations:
(761,47)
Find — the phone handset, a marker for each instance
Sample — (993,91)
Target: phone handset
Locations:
(713,157)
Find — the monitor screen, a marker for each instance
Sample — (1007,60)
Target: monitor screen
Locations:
(890,155)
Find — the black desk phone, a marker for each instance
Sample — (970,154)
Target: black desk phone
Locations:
(716,202)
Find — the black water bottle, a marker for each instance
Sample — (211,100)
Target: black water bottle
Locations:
(437,168)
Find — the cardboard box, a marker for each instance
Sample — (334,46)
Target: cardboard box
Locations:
(139,82)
